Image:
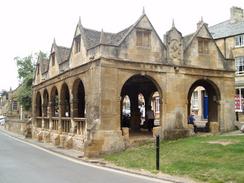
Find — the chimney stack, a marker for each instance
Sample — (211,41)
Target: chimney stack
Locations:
(236,14)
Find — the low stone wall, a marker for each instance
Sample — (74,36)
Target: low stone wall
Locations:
(62,140)
(16,126)
(176,133)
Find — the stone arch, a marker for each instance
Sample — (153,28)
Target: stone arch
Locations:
(209,97)
(38,104)
(155,82)
(136,84)
(78,91)
(54,102)
(65,100)
(45,102)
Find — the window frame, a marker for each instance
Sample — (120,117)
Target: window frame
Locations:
(53,58)
(239,96)
(143,38)
(203,46)
(239,63)
(239,40)
(195,102)
(77,41)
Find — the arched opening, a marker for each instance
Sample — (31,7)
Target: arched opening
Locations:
(38,105)
(203,98)
(45,103)
(138,91)
(78,99)
(65,101)
(54,102)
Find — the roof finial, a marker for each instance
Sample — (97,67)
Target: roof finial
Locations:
(54,40)
(79,20)
(200,23)
(102,37)
(173,23)
(143,10)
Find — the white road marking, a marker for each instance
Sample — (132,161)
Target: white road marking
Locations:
(88,164)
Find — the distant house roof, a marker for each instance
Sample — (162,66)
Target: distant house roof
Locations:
(227,28)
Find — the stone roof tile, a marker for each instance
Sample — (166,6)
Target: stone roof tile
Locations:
(63,53)
(93,37)
(227,28)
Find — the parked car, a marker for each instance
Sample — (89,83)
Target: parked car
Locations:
(2,120)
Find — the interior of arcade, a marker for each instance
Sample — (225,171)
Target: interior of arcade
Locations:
(138,95)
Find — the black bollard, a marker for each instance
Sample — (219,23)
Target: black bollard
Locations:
(157,152)
(237,116)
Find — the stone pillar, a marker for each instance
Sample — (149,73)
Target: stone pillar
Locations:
(135,113)
(73,107)
(49,114)
(42,114)
(59,117)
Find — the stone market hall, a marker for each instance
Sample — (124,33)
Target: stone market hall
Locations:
(86,97)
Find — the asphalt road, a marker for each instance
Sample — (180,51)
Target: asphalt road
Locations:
(23,163)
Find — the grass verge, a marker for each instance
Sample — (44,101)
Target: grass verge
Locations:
(205,158)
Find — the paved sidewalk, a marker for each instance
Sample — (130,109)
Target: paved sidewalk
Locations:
(99,162)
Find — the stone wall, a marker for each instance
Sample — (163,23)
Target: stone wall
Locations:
(16,126)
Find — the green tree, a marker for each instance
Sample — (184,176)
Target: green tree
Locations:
(25,68)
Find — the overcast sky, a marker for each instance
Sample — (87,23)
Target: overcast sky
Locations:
(28,26)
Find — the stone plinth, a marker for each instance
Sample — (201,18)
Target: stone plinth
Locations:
(46,137)
(125,132)
(68,144)
(176,133)
(56,139)
(191,129)
(157,131)
(40,136)
(214,127)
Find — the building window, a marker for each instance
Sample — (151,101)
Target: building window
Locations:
(239,61)
(53,58)
(239,100)
(143,38)
(203,46)
(239,40)
(195,100)
(77,44)
(157,105)
(14,105)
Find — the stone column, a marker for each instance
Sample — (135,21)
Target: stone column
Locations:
(73,108)
(42,114)
(135,113)
(59,117)
(49,115)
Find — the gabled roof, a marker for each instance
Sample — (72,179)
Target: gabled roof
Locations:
(44,65)
(42,62)
(189,38)
(227,28)
(63,54)
(92,38)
